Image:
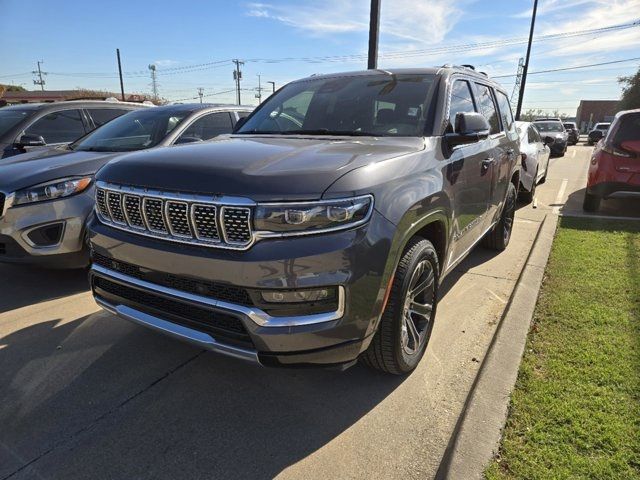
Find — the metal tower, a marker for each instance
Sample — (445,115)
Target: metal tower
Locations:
(516,87)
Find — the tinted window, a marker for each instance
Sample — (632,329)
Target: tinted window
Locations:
(381,105)
(505,111)
(209,126)
(135,130)
(569,126)
(461,101)
(10,117)
(103,115)
(629,129)
(487,107)
(550,126)
(59,127)
(534,136)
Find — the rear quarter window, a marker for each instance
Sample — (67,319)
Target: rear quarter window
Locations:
(487,107)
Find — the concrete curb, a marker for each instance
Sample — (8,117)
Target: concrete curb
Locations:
(477,435)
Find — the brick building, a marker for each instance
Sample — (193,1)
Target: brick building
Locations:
(591,112)
(47,96)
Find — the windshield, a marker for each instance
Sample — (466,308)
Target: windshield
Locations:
(602,126)
(136,130)
(549,127)
(372,105)
(10,117)
(569,126)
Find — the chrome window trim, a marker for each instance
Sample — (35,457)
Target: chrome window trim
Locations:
(256,315)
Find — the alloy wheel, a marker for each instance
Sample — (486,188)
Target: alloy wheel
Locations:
(418,307)
(509,214)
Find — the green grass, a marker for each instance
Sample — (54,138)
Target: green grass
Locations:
(575,410)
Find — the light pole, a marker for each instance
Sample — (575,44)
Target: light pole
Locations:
(374,29)
(526,63)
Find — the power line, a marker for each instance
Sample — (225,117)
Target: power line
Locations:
(573,68)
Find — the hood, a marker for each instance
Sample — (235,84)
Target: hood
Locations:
(258,167)
(28,169)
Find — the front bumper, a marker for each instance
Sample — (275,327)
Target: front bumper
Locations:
(354,260)
(66,251)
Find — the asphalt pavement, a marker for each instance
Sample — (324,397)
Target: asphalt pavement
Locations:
(87,395)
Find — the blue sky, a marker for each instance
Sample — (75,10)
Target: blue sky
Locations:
(286,39)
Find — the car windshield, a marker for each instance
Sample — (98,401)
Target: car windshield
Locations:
(569,125)
(549,126)
(602,126)
(10,117)
(136,130)
(366,105)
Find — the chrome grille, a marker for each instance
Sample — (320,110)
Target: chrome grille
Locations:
(180,218)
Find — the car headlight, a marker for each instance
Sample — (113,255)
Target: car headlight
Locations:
(64,187)
(282,219)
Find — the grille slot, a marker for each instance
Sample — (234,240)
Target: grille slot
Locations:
(236,224)
(220,325)
(154,213)
(178,216)
(114,203)
(192,219)
(205,222)
(132,211)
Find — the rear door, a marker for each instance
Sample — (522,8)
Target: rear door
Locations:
(504,145)
(469,174)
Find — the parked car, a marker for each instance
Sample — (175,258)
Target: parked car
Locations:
(598,132)
(320,231)
(535,155)
(573,132)
(46,197)
(554,128)
(36,126)
(614,171)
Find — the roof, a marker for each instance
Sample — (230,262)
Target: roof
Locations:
(78,103)
(194,107)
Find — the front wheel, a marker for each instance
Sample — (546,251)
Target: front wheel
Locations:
(498,237)
(407,321)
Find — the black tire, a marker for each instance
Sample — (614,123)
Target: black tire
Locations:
(528,196)
(591,202)
(498,237)
(393,349)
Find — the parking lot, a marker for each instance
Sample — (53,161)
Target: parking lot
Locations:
(90,395)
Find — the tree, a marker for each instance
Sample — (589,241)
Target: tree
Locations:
(630,92)
(13,88)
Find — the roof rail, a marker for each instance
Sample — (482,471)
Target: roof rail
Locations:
(466,65)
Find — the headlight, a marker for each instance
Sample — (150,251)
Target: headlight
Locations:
(280,219)
(64,187)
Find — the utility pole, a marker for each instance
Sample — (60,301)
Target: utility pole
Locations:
(40,73)
(516,88)
(120,73)
(154,81)
(526,63)
(259,94)
(200,93)
(374,29)
(237,76)
(273,87)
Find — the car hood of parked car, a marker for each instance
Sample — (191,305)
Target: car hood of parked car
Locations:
(34,168)
(260,167)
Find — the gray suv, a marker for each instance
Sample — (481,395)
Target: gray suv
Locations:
(320,231)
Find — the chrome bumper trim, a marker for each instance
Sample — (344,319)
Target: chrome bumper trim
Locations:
(257,316)
(194,337)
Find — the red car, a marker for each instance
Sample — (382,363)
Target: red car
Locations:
(615,164)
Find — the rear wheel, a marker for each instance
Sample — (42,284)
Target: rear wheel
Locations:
(498,238)
(407,321)
(591,202)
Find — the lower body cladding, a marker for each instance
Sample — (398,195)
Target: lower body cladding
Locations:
(215,298)
(49,234)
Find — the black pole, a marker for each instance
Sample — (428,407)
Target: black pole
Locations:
(120,72)
(526,63)
(374,29)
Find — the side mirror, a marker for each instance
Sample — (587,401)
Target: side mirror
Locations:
(549,140)
(239,124)
(187,140)
(470,127)
(30,140)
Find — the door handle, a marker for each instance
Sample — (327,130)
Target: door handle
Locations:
(486,163)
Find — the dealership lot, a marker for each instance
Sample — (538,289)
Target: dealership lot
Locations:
(90,395)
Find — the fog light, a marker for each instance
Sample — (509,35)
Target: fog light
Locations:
(298,296)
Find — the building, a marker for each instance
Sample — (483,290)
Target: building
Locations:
(48,96)
(591,112)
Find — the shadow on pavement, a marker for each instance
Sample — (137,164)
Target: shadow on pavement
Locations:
(157,408)
(613,207)
(23,285)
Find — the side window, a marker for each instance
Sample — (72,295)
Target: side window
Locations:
(243,115)
(209,126)
(487,107)
(103,115)
(505,111)
(461,100)
(531,133)
(59,127)
(536,134)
